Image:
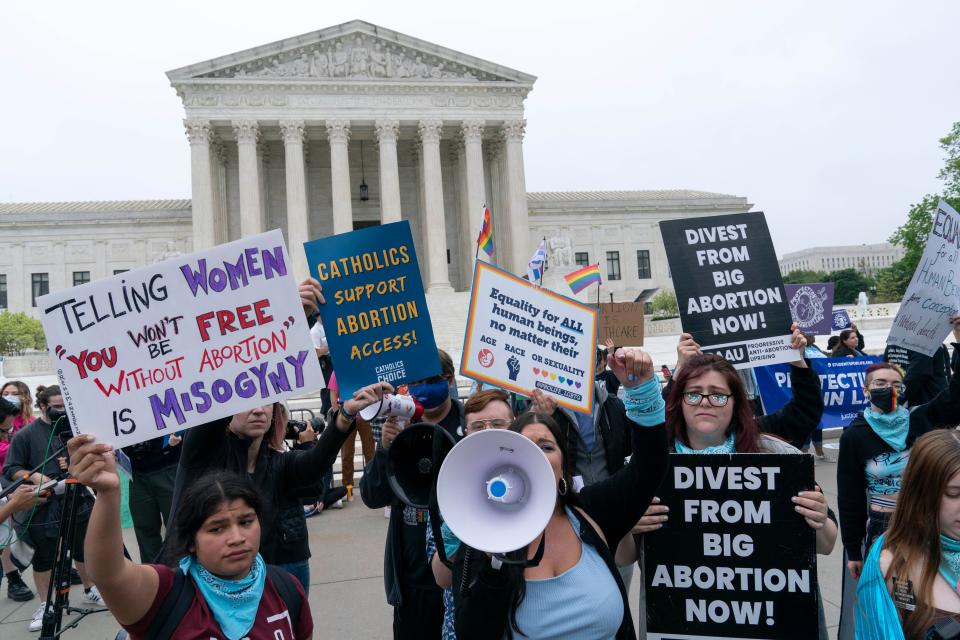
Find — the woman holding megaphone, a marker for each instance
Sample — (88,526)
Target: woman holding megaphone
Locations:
(574,589)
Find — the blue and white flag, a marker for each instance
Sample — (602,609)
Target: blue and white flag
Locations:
(538,263)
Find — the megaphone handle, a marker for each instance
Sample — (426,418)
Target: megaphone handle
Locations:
(497,560)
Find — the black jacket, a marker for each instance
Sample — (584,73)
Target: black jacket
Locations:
(859,443)
(613,431)
(278,476)
(615,504)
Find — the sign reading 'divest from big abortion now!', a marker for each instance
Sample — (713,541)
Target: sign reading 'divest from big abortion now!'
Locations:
(521,337)
(729,288)
(375,315)
(933,296)
(180,343)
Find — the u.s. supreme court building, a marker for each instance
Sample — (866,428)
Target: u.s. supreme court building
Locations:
(343,128)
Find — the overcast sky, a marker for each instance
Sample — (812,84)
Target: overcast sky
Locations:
(826,115)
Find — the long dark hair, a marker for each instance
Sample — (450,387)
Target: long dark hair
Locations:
(743,422)
(569,499)
(201,500)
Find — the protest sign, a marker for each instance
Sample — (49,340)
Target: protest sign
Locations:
(841,320)
(180,343)
(841,380)
(621,322)
(729,288)
(735,560)
(811,306)
(375,316)
(521,337)
(933,295)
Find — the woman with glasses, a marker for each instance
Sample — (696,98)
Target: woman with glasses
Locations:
(874,451)
(708,412)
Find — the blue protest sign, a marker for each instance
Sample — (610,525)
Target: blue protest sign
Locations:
(841,319)
(375,315)
(841,380)
(811,306)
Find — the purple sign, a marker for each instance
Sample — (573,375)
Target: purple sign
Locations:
(811,306)
(841,320)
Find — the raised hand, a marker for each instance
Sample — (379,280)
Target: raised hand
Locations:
(93,464)
(541,402)
(632,366)
(686,349)
(653,518)
(310,292)
(798,342)
(366,396)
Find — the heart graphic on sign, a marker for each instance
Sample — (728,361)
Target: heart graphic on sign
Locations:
(578,385)
(569,382)
(536,371)
(553,376)
(544,374)
(560,379)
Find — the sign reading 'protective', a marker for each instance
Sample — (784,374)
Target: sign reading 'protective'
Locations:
(729,289)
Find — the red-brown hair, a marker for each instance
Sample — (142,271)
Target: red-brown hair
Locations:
(743,423)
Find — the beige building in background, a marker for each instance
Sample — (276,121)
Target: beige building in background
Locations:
(865,258)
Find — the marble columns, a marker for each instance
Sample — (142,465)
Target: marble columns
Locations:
(390,209)
(338,133)
(298,227)
(200,135)
(435,234)
(515,195)
(248,160)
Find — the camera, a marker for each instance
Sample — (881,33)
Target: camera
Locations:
(296,426)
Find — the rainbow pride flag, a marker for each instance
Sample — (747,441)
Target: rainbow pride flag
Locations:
(583,278)
(485,241)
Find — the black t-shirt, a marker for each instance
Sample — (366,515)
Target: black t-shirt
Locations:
(152,455)
(413,533)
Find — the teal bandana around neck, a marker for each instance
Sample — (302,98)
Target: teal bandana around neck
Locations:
(234,603)
(891,427)
(729,446)
(950,562)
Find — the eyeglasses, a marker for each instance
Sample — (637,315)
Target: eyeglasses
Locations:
(480,425)
(883,384)
(715,399)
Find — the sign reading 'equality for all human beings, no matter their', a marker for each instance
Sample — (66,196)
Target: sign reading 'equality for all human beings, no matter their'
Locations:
(169,346)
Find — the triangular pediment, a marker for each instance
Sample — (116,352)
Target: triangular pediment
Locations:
(353,51)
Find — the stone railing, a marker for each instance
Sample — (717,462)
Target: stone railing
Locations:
(32,364)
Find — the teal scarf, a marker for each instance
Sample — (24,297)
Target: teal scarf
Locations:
(892,427)
(729,446)
(234,603)
(950,562)
(876,615)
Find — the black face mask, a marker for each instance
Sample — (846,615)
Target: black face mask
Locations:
(55,414)
(884,399)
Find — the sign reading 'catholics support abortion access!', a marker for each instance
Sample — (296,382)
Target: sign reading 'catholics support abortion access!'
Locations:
(734,560)
(180,343)
(375,315)
(521,337)
(933,296)
(729,288)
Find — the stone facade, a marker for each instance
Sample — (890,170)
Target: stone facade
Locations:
(865,258)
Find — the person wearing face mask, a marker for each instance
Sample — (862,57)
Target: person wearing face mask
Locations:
(29,448)
(875,449)
(18,394)
(909,585)
(408,580)
(17,590)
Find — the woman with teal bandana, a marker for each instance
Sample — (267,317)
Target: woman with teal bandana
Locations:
(216,537)
(910,583)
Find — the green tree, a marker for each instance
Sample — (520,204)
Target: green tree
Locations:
(804,276)
(665,305)
(912,235)
(848,283)
(19,332)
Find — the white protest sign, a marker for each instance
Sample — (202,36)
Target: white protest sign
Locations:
(180,343)
(933,296)
(521,337)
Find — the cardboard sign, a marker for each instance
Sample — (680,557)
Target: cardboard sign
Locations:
(375,316)
(811,306)
(180,343)
(841,320)
(734,560)
(521,337)
(621,322)
(729,288)
(842,381)
(933,296)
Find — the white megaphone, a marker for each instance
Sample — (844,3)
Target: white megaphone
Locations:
(496,490)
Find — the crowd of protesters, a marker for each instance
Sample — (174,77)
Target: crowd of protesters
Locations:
(220,510)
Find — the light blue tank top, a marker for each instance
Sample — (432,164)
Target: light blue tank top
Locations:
(582,603)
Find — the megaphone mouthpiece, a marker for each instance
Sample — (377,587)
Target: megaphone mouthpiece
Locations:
(507,487)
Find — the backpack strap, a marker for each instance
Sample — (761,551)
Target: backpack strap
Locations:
(283,582)
(173,608)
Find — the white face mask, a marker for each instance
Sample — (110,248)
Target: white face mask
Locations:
(14,400)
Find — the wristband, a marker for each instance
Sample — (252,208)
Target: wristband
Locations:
(346,414)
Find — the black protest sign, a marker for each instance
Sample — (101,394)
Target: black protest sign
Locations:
(728,287)
(735,559)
